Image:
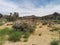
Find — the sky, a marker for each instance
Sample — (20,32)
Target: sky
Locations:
(30,7)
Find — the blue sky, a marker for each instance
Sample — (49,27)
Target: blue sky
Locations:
(30,7)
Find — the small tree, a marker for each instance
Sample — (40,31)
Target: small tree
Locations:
(16,15)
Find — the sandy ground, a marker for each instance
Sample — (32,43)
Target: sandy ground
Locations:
(5,25)
(45,38)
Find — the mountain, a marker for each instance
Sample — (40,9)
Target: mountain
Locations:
(54,16)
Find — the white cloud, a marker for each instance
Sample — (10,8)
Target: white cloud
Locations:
(29,9)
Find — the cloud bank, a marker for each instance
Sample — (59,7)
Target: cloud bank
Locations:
(29,7)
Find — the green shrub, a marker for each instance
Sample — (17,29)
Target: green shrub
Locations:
(54,42)
(26,35)
(5,31)
(2,40)
(57,21)
(15,36)
(1,23)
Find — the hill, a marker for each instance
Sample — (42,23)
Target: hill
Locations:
(15,16)
(54,16)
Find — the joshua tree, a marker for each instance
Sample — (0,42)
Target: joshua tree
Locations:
(16,14)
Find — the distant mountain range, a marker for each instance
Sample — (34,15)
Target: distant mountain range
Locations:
(54,16)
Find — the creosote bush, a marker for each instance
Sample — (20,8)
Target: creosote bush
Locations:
(15,36)
(12,35)
(54,42)
(5,31)
(26,35)
(1,23)
(2,40)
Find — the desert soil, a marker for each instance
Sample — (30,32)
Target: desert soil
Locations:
(45,38)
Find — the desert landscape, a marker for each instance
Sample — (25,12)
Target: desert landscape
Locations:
(29,30)
(29,22)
